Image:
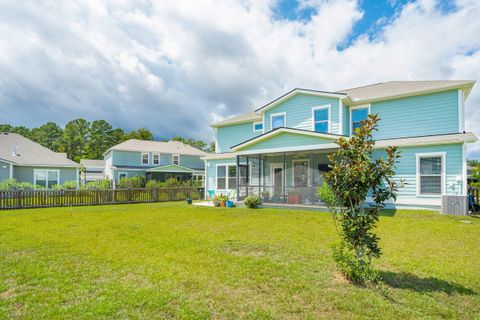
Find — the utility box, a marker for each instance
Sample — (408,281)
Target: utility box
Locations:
(456,205)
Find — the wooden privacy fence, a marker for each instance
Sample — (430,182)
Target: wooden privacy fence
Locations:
(17,199)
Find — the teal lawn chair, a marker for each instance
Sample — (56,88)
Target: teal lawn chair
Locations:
(211,194)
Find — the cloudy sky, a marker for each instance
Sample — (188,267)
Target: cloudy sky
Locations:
(177,66)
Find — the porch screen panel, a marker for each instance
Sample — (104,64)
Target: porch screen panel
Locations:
(300,173)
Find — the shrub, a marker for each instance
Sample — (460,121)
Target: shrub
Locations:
(252,201)
(180,196)
(99,184)
(12,184)
(346,260)
(131,182)
(153,184)
(70,185)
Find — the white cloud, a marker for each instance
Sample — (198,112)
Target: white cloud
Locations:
(175,67)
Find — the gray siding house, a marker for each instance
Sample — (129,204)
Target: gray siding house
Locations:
(154,160)
(92,170)
(27,161)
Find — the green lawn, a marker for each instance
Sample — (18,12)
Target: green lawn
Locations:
(171,260)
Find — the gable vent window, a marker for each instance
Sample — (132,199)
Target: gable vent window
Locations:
(277,120)
(257,126)
(321,119)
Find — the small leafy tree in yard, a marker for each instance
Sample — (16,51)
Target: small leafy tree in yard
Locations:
(354,175)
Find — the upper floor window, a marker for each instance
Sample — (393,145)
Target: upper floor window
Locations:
(321,119)
(176,159)
(156,159)
(257,126)
(357,116)
(278,120)
(430,174)
(145,158)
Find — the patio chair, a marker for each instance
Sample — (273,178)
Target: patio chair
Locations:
(211,194)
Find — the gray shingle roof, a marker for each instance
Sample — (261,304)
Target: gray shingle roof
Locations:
(399,88)
(245,117)
(31,153)
(170,147)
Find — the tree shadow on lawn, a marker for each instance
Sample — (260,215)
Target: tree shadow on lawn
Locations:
(403,280)
(388,212)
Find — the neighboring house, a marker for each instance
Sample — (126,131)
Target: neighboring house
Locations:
(92,170)
(27,161)
(280,150)
(154,160)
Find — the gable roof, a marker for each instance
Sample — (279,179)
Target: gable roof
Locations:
(171,168)
(363,94)
(170,147)
(29,153)
(327,136)
(393,89)
(245,117)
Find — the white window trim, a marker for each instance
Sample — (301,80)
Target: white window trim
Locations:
(255,123)
(173,159)
(148,158)
(443,179)
(153,158)
(122,172)
(308,172)
(226,175)
(284,114)
(329,120)
(274,166)
(362,106)
(46,170)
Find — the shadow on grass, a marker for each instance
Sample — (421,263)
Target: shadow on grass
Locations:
(388,212)
(409,281)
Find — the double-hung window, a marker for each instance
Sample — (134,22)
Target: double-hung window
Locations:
(357,116)
(176,159)
(430,173)
(226,177)
(156,159)
(321,119)
(46,178)
(145,158)
(278,120)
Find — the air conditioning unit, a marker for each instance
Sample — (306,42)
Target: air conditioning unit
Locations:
(455,204)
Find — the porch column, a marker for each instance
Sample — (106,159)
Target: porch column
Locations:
(238,177)
(284,178)
(259,175)
(246,178)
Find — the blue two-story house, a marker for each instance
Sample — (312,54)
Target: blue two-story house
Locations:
(154,160)
(279,151)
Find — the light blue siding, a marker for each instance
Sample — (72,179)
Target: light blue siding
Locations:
(4,170)
(193,162)
(211,172)
(126,158)
(231,135)
(406,168)
(423,115)
(285,140)
(299,112)
(25,174)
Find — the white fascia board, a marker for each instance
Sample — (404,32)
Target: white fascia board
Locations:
(294,93)
(312,147)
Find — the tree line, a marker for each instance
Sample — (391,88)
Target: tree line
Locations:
(81,139)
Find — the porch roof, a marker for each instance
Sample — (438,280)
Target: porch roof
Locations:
(171,168)
(287,139)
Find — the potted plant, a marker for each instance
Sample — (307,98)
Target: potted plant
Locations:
(293,197)
(221,199)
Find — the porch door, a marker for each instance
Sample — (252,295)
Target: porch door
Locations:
(277,182)
(278,177)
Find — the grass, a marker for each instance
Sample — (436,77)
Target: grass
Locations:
(171,260)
